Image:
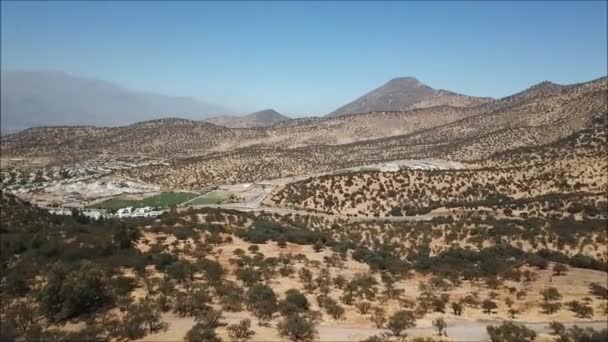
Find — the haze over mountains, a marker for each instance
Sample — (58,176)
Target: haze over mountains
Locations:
(33,98)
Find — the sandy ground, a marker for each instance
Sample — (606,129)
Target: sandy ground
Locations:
(458,330)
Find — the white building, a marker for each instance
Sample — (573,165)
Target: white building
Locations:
(389,167)
(124,212)
(137,212)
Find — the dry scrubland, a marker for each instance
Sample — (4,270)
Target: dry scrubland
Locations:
(566,178)
(519,235)
(198,274)
(201,153)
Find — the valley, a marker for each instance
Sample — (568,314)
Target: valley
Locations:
(442,221)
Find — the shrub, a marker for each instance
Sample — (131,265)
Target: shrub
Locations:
(201,333)
(510,332)
(240,331)
(400,321)
(297,328)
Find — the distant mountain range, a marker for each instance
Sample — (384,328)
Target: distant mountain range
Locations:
(540,114)
(33,98)
(262,118)
(405,93)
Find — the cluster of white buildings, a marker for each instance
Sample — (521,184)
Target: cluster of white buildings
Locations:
(137,212)
(128,212)
(94,214)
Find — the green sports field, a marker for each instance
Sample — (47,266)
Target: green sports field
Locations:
(212,197)
(166,199)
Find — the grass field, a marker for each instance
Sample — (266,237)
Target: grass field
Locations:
(166,199)
(212,197)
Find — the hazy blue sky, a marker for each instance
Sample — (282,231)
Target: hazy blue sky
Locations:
(308,57)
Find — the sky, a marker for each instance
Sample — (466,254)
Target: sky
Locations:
(308,58)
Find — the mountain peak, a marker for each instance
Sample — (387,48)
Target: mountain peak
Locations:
(404,93)
(261,118)
(266,114)
(408,80)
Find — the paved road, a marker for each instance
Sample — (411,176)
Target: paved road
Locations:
(287,211)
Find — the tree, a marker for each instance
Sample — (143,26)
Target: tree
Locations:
(598,290)
(550,307)
(581,310)
(21,315)
(334,309)
(559,269)
(557,328)
(488,306)
(318,246)
(211,318)
(240,331)
(440,325)
(379,317)
(363,307)
(513,313)
(294,302)
(124,237)
(307,279)
(146,315)
(510,332)
(201,333)
(457,308)
(263,302)
(400,321)
(297,328)
(550,294)
(72,292)
(550,297)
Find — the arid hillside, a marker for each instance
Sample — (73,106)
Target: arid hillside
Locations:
(200,153)
(563,178)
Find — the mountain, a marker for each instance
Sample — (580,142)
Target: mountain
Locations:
(262,118)
(200,153)
(43,98)
(405,93)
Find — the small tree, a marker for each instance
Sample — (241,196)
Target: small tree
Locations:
(457,308)
(510,332)
(241,331)
(334,309)
(363,307)
(557,328)
(297,328)
(400,321)
(488,306)
(211,318)
(550,307)
(559,269)
(294,302)
(379,317)
(581,310)
(263,302)
(441,327)
(550,294)
(201,333)
(306,277)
